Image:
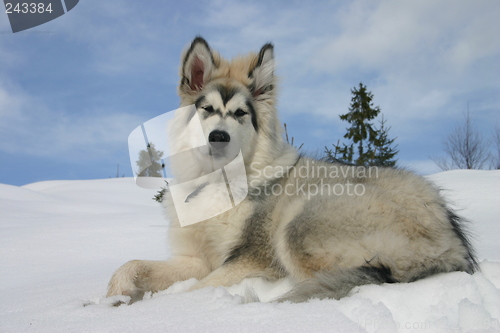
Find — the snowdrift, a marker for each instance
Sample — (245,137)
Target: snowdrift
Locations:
(60,242)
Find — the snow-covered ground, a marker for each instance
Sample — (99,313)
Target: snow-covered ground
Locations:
(60,242)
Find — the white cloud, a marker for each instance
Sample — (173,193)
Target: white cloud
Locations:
(420,55)
(10,103)
(28,126)
(231,14)
(411,36)
(121,37)
(423,60)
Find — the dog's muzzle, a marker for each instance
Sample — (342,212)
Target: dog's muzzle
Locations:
(219,139)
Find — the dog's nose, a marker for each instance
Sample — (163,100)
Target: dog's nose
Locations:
(221,137)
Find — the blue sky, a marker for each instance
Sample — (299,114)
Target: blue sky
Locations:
(72,90)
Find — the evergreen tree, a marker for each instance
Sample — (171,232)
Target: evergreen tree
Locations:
(149,162)
(384,151)
(340,154)
(369,146)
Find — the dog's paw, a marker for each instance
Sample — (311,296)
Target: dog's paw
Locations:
(126,281)
(108,301)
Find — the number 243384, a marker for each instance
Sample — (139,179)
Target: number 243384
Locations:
(25,8)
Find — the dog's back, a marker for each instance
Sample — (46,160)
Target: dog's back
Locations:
(377,226)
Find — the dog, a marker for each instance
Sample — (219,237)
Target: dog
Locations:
(329,227)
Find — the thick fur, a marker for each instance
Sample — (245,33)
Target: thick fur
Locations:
(398,230)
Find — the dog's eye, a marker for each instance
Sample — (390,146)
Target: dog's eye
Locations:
(208,108)
(239,113)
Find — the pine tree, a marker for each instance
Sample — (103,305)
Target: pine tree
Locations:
(361,131)
(373,147)
(340,154)
(384,151)
(149,162)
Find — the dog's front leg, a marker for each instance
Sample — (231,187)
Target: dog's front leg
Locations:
(139,276)
(229,274)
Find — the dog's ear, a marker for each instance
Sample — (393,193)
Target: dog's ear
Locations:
(197,65)
(262,74)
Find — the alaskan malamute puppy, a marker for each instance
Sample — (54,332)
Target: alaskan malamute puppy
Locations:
(329,227)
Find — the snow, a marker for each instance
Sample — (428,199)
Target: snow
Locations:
(60,242)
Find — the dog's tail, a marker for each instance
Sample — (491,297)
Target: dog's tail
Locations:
(337,283)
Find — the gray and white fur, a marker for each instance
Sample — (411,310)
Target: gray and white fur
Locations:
(399,229)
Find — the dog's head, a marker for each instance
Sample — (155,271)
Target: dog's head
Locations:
(234,99)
